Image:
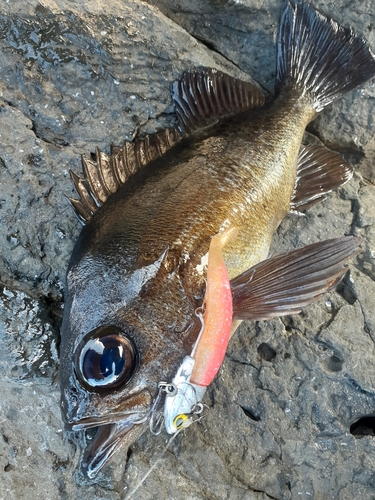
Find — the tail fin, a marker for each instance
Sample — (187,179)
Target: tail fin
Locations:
(319,56)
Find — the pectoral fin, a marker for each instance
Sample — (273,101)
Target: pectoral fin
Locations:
(319,171)
(286,283)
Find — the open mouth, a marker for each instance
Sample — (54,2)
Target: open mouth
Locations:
(109,439)
(117,429)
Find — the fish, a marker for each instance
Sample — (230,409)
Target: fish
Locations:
(153,260)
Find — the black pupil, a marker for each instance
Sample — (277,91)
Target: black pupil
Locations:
(107,360)
(111,362)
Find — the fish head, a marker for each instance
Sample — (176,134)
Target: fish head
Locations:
(125,329)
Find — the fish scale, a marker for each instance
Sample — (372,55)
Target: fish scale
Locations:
(244,192)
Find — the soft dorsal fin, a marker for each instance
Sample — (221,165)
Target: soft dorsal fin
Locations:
(319,171)
(202,97)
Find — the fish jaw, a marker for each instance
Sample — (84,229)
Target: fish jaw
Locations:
(116,429)
(89,409)
(108,440)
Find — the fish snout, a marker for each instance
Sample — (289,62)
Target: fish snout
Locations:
(84,410)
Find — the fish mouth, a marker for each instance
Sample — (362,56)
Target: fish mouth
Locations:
(84,413)
(109,439)
(135,418)
(118,428)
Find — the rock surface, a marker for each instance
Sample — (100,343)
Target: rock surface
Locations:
(284,412)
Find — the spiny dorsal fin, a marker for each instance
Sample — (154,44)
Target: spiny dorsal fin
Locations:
(204,96)
(319,171)
(105,174)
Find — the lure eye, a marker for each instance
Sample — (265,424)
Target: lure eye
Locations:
(106,359)
(180,420)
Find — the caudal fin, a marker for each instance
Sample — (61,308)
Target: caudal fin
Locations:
(318,56)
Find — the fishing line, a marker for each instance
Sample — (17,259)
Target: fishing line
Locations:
(158,460)
(139,484)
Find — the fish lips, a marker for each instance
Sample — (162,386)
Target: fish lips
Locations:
(108,439)
(116,429)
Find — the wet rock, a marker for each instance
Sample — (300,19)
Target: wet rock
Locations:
(28,338)
(290,413)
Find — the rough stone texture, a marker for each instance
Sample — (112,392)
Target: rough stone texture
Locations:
(75,75)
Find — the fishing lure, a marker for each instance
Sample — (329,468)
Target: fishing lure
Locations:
(197,371)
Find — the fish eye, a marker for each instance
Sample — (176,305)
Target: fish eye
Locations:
(106,359)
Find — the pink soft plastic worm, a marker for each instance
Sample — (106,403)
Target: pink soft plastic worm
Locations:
(212,343)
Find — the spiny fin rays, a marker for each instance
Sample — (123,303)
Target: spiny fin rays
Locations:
(202,97)
(105,174)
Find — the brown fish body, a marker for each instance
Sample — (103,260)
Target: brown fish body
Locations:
(137,275)
(240,173)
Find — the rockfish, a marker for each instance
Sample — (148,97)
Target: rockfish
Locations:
(212,189)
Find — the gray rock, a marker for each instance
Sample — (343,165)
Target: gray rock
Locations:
(283,415)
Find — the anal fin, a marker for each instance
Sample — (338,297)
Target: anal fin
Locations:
(286,283)
(319,171)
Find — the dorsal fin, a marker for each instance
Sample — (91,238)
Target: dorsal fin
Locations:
(202,97)
(105,174)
